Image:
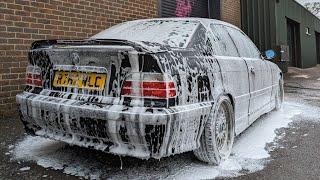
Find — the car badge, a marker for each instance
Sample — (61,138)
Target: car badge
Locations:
(75,58)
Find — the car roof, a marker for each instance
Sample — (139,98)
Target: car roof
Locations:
(205,21)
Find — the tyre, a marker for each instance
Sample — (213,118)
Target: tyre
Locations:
(279,96)
(217,138)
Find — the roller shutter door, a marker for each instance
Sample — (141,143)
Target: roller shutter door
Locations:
(184,8)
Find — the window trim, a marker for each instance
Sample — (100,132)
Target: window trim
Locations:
(224,27)
(244,34)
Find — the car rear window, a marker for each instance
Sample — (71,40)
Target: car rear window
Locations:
(174,33)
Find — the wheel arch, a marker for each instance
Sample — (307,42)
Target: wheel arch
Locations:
(207,157)
(232,100)
(281,76)
(214,106)
(228,95)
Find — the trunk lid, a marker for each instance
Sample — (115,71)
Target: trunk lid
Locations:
(96,72)
(84,69)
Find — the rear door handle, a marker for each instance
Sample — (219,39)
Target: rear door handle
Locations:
(252,70)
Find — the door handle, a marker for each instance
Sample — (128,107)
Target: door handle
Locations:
(252,70)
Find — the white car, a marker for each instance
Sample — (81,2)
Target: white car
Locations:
(150,88)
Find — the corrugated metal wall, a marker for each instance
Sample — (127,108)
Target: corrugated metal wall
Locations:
(258,22)
(265,22)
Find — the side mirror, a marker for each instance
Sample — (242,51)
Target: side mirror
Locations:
(269,54)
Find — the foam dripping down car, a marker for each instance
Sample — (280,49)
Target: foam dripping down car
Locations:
(150,88)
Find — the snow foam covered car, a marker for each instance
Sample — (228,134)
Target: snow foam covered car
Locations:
(150,88)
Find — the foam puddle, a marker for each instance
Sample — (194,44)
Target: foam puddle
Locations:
(249,154)
(51,154)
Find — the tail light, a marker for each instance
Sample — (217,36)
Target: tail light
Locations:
(34,77)
(149,85)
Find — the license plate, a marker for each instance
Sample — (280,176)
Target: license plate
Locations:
(92,81)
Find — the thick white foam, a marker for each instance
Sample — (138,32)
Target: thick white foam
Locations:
(249,153)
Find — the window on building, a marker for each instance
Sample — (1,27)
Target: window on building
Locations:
(308,31)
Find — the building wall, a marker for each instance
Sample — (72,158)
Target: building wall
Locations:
(231,12)
(258,22)
(265,21)
(296,12)
(24,21)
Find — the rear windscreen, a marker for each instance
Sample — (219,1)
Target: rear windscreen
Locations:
(174,33)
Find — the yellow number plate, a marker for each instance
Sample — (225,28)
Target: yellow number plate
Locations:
(92,81)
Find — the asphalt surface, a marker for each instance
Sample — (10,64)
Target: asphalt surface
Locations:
(297,156)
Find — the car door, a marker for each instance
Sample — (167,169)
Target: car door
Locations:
(259,73)
(234,74)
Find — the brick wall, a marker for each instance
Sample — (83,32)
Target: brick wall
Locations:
(24,21)
(231,12)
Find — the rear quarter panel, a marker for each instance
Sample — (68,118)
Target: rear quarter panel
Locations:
(197,76)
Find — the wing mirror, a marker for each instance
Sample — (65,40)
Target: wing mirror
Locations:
(269,54)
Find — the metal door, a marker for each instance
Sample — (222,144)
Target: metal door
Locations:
(184,8)
(318,46)
(293,40)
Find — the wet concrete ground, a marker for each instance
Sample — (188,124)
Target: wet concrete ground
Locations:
(297,155)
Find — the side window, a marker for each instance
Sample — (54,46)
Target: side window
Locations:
(222,44)
(245,46)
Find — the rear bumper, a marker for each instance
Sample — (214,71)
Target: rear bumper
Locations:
(132,131)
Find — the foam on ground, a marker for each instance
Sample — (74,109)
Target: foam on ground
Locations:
(249,153)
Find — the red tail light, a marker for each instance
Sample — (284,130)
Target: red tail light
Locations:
(34,77)
(149,86)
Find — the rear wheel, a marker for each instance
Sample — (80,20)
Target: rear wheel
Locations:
(279,96)
(217,139)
